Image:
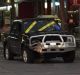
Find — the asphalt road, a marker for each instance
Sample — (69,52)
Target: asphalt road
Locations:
(54,67)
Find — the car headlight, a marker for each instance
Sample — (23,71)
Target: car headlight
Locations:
(45,46)
(61,45)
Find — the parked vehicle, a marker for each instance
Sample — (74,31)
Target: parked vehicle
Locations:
(30,40)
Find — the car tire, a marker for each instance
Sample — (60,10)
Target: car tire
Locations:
(7,54)
(69,57)
(27,56)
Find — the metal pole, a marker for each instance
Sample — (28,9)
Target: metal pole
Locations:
(79,16)
(64,27)
(12,11)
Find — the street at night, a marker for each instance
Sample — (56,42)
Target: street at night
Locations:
(39,37)
(55,67)
(52,67)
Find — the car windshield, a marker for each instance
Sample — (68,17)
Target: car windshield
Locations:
(52,38)
(39,25)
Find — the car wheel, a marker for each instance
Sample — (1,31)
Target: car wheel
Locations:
(27,56)
(7,54)
(69,57)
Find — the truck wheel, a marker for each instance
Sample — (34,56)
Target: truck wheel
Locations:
(7,54)
(69,57)
(27,56)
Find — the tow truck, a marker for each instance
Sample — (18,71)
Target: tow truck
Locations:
(36,38)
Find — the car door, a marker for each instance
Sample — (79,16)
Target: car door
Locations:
(15,38)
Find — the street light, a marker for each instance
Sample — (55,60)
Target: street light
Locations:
(46,5)
(9,7)
(57,3)
(8,1)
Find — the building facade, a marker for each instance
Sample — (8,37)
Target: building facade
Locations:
(74,10)
(21,9)
(34,8)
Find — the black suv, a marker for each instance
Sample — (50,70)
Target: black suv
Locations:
(32,46)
